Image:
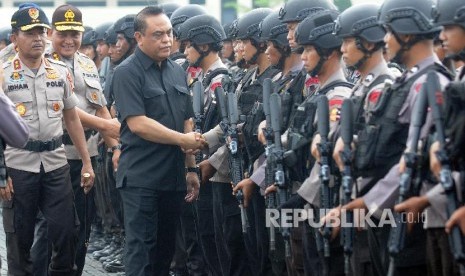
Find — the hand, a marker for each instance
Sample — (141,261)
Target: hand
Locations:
(434,164)
(271,189)
(193,186)
(6,192)
(113,111)
(402,165)
(115,159)
(206,171)
(111,128)
(338,147)
(247,186)
(330,219)
(314,147)
(87,177)
(413,207)
(357,203)
(192,141)
(457,219)
(261,135)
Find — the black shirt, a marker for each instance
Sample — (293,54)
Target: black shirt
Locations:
(142,87)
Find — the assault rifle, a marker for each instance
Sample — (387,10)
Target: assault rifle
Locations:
(270,161)
(324,148)
(411,156)
(278,156)
(197,92)
(228,124)
(435,101)
(346,156)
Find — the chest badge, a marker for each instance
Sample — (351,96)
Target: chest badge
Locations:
(56,107)
(21,109)
(16,77)
(51,74)
(94,96)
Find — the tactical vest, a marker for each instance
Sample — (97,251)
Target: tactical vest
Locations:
(359,102)
(300,133)
(2,164)
(212,117)
(287,100)
(382,141)
(250,104)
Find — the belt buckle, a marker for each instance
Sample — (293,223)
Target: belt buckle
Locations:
(45,146)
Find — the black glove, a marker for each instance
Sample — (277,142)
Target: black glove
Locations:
(295,202)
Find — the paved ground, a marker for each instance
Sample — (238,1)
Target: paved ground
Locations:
(92,268)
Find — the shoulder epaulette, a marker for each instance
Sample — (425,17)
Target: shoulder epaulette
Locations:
(54,61)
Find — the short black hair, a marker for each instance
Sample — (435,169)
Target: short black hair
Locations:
(139,22)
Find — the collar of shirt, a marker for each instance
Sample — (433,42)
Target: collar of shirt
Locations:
(380,69)
(146,61)
(421,65)
(336,76)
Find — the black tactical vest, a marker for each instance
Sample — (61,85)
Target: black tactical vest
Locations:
(287,99)
(250,105)
(382,141)
(300,133)
(212,116)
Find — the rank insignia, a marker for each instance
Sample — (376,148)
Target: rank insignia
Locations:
(16,64)
(51,74)
(55,56)
(94,96)
(56,107)
(16,77)
(21,109)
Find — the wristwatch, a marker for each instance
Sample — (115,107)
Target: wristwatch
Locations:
(192,169)
(117,147)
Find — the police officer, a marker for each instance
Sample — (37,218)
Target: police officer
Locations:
(410,43)
(4,37)
(155,108)
(66,38)
(98,35)
(42,92)
(169,8)
(362,50)
(88,47)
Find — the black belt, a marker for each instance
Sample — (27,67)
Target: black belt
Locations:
(40,146)
(67,139)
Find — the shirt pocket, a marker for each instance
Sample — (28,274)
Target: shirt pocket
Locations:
(23,102)
(181,99)
(93,92)
(55,102)
(156,103)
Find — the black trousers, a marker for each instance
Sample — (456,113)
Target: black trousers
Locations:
(440,261)
(85,210)
(52,194)
(228,231)
(151,218)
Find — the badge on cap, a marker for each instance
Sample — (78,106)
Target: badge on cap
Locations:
(16,77)
(33,13)
(51,74)
(21,109)
(69,15)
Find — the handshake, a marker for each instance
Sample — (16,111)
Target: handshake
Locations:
(192,142)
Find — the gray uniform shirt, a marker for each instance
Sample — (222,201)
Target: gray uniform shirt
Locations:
(384,194)
(13,129)
(311,187)
(88,90)
(39,99)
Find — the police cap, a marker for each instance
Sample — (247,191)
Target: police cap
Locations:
(29,16)
(67,18)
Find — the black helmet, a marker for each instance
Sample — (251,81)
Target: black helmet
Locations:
(408,17)
(248,24)
(202,29)
(5,35)
(317,30)
(360,21)
(125,25)
(449,12)
(183,13)
(232,31)
(298,10)
(87,37)
(169,8)
(110,35)
(99,32)
(227,30)
(272,29)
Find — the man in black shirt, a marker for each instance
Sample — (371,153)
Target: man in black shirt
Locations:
(155,109)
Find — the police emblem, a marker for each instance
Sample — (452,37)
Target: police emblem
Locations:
(16,64)
(55,56)
(51,74)
(16,77)
(69,15)
(56,107)
(33,13)
(21,109)
(334,114)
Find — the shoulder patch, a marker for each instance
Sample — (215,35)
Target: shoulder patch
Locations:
(374,96)
(418,87)
(214,85)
